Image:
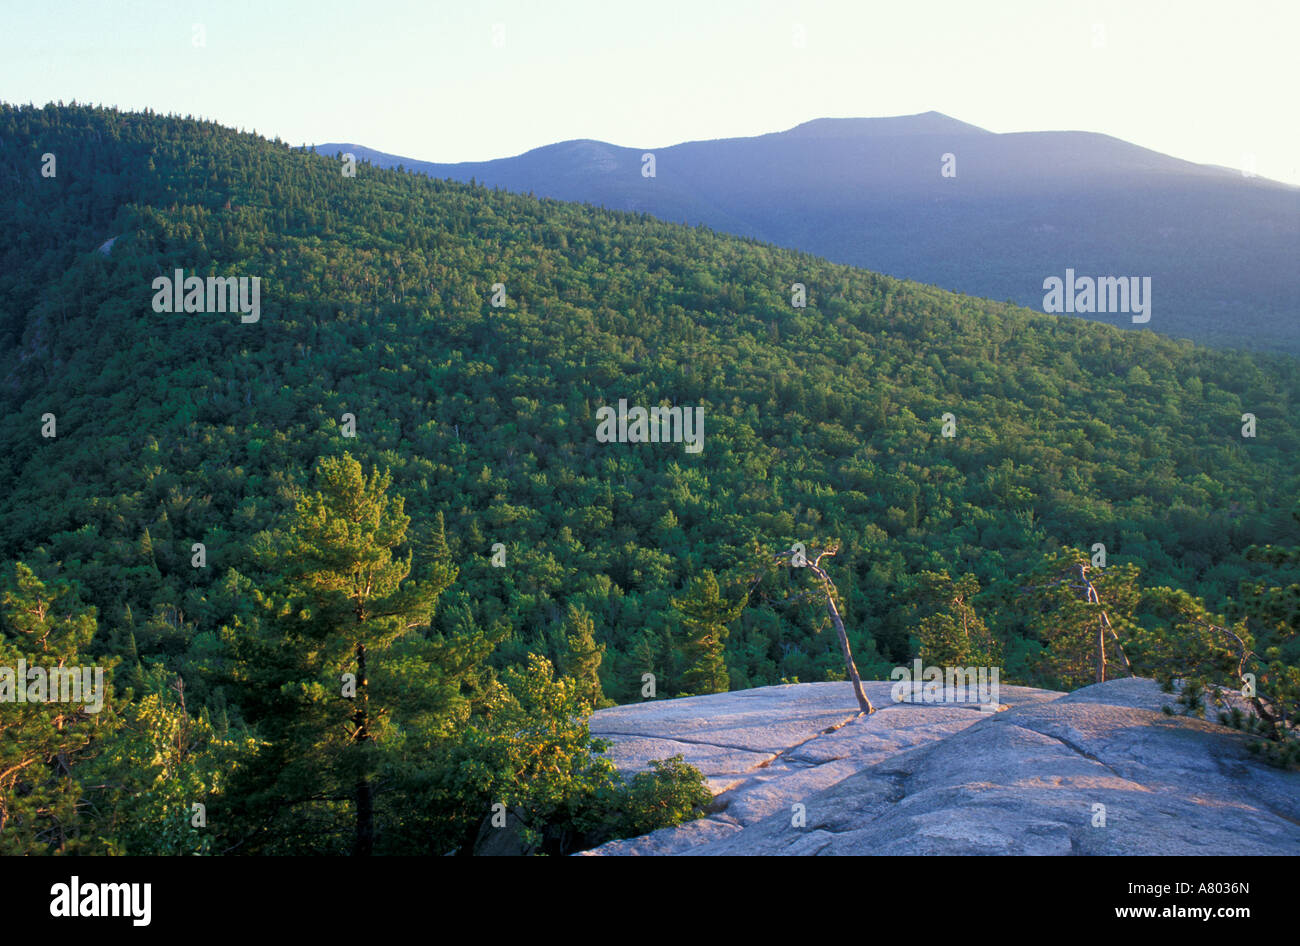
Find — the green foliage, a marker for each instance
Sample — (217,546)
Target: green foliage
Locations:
(375,295)
(175,429)
(428,740)
(1084,615)
(1210,663)
(671,793)
(951,632)
(705,615)
(335,707)
(582,657)
(552,771)
(45,743)
(1251,682)
(528,749)
(1272,602)
(153,783)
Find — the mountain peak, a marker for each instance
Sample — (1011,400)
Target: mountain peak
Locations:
(923,123)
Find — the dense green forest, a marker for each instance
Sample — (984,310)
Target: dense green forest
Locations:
(384,413)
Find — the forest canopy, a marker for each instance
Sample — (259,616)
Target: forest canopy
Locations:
(438,353)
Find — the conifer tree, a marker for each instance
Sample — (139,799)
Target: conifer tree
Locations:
(582,656)
(643,663)
(344,606)
(44,741)
(1083,614)
(796,557)
(705,617)
(1236,667)
(953,634)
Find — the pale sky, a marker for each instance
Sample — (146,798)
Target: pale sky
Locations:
(442,80)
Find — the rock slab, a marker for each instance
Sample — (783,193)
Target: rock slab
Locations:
(1103,770)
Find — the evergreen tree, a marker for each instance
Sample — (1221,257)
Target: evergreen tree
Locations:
(643,663)
(344,604)
(1083,614)
(705,616)
(1239,668)
(953,634)
(582,656)
(431,547)
(44,740)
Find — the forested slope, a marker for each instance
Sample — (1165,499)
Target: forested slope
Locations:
(820,423)
(935,200)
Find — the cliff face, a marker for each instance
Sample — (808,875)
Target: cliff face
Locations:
(1098,771)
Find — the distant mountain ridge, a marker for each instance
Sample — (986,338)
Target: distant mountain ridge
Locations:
(1220,248)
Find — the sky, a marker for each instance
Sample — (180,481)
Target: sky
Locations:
(443,80)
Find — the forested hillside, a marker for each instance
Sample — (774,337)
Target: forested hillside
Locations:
(935,200)
(821,424)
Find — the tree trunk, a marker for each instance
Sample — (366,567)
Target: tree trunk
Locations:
(364,844)
(1119,646)
(1101,651)
(863,703)
(365,841)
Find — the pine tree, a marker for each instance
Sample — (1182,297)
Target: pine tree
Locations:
(643,663)
(130,672)
(44,742)
(430,543)
(953,634)
(1083,614)
(705,616)
(582,656)
(1210,661)
(345,604)
(795,557)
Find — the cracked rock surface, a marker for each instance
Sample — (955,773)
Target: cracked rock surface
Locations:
(1037,777)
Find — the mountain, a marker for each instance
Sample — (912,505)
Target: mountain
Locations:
(1220,249)
(189,490)
(376,298)
(946,778)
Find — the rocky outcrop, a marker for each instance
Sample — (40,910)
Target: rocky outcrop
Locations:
(1102,770)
